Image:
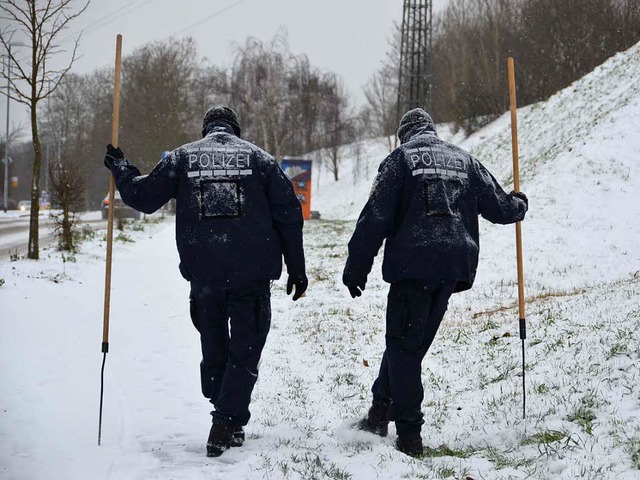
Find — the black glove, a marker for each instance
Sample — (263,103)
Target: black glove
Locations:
(114,156)
(522,197)
(355,290)
(300,282)
(353,279)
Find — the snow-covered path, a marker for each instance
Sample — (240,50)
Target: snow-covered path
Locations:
(51,329)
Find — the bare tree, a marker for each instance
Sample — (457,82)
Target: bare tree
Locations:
(472,42)
(381,94)
(259,87)
(571,38)
(554,41)
(97,98)
(157,111)
(75,122)
(210,87)
(628,12)
(284,103)
(360,163)
(338,125)
(39,25)
(67,191)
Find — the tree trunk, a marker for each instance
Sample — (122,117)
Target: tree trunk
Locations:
(390,142)
(67,234)
(33,251)
(334,160)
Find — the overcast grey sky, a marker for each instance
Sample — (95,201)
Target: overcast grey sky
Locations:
(348,37)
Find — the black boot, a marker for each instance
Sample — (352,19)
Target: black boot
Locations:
(220,437)
(237,438)
(377,421)
(410,444)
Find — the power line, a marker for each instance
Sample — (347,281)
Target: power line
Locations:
(124,10)
(209,17)
(112,16)
(119,12)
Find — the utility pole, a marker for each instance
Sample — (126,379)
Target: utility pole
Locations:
(6,145)
(414,74)
(46,172)
(47,158)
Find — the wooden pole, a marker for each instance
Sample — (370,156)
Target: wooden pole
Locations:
(516,187)
(112,188)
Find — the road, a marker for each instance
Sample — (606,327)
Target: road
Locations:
(14,230)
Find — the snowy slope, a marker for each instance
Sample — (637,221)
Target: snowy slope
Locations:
(581,172)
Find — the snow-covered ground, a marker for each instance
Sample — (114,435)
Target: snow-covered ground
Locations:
(580,169)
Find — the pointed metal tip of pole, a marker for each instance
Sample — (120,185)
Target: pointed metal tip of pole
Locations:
(104,359)
(524,386)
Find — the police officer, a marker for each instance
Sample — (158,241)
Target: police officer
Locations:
(425,202)
(236,217)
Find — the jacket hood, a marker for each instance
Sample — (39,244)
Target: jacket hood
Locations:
(414,122)
(220,115)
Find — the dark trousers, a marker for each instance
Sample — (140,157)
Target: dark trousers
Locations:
(233,324)
(414,312)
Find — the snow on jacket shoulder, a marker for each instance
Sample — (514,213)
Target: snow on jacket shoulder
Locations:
(236,212)
(425,202)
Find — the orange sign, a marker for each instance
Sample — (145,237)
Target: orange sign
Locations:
(299,172)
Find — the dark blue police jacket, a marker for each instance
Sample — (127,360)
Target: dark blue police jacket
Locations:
(425,202)
(236,212)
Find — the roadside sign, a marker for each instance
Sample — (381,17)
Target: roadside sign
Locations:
(299,172)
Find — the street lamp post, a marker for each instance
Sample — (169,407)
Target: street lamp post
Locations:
(6,145)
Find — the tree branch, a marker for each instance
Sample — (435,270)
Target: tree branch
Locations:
(46,16)
(23,75)
(13,13)
(57,27)
(21,97)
